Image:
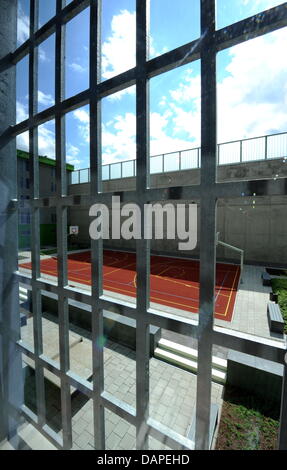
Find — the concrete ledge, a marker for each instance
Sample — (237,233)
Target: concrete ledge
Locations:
(255,375)
(117,327)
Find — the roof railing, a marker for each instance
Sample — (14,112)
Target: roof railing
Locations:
(261,148)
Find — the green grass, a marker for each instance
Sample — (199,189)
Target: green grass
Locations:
(279,286)
(247,422)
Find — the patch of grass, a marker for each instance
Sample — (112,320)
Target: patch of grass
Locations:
(279,286)
(247,422)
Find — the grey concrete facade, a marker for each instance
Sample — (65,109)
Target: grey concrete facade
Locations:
(256,224)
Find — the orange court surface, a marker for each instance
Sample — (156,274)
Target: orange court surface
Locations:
(174,282)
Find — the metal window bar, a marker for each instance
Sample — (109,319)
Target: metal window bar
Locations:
(35,231)
(209,192)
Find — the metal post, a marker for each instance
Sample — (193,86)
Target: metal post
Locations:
(282,442)
(207,224)
(35,229)
(96,245)
(61,176)
(11,389)
(143,246)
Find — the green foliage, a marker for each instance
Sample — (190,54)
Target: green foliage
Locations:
(279,286)
(247,422)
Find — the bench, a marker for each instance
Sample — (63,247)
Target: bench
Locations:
(266,279)
(275,320)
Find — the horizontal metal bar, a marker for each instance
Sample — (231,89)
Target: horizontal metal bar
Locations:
(264,348)
(250,28)
(168,437)
(75,381)
(250,344)
(67,14)
(46,431)
(177,57)
(122,409)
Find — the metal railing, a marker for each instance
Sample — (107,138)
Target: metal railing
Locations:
(239,151)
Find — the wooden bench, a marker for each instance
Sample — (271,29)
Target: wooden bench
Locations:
(275,320)
(266,279)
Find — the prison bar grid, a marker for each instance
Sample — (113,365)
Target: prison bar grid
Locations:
(209,191)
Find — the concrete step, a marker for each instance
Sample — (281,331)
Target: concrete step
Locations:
(23,297)
(218,376)
(23,294)
(189,353)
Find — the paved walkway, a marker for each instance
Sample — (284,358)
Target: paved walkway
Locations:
(172,393)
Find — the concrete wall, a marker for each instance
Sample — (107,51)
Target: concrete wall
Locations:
(258,225)
(117,328)
(255,375)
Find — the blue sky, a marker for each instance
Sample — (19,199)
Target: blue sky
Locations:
(252,93)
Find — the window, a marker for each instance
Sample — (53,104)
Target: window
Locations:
(208,192)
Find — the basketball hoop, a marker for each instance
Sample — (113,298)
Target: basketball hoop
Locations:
(74,230)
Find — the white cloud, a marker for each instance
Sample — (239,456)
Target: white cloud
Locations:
(77,68)
(83,117)
(118,51)
(261,4)
(252,99)
(72,153)
(73,150)
(42,55)
(23,26)
(118,139)
(45,99)
(72,160)
(46,141)
(21,112)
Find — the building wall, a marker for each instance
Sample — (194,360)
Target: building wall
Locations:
(258,225)
(47,182)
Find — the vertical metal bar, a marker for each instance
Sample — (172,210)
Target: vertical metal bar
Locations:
(11,380)
(96,245)
(179,161)
(198,157)
(35,229)
(207,223)
(282,442)
(240,156)
(61,177)
(143,246)
(266,147)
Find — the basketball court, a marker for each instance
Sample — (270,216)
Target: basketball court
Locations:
(174,282)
